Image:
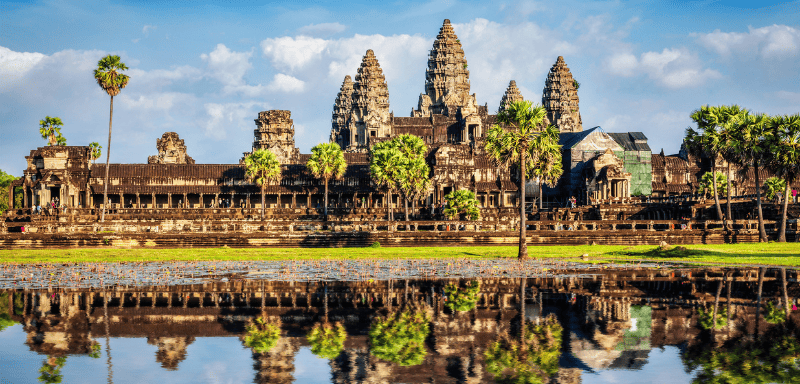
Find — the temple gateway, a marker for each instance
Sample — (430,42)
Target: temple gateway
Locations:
(599,167)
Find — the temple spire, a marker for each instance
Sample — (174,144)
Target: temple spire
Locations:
(342,108)
(512,95)
(447,77)
(369,118)
(560,98)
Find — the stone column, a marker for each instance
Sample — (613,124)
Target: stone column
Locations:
(11,196)
(369,201)
(200,202)
(185,200)
(138,200)
(294,200)
(216,201)
(169,200)
(153,199)
(278,201)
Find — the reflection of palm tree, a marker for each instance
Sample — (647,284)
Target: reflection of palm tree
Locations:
(462,299)
(51,369)
(532,360)
(108,345)
(327,341)
(400,337)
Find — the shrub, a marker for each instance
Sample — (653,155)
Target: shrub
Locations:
(400,337)
(262,336)
(327,341)
(462,299)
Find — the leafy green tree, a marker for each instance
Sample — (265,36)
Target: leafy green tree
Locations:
(462,299)
(774,186)
(462,204)
(5,181)
(414,175)
(785,158)
(327,162)
(50,129)
(51,370)
(749,140)
(513,141)
(400,337)
(706,185)
(261,335)
(773,314)
(110,79)
(385,167)
(728,116)
(96,150)
(547,166)
(706,319)
(5,317)
(706,142)
(534,360)
(327,341)
(262,167)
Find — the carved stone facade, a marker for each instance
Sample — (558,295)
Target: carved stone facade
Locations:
(512,95)
(275,133)
(447,77)
(171,150)
(560,98)
(342,107)
(369,115)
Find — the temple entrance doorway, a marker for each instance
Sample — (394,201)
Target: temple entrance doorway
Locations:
(55,192)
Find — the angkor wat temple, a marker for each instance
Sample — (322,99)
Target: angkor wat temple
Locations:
(599,167)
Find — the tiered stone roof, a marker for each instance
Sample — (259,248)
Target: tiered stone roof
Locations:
(370,117)
(342,108)
(560,98)
(275,132)
(447,76)
(512,95)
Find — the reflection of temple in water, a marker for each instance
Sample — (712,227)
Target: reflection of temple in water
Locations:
(611,320)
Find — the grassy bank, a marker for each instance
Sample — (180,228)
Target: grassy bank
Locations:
(787,254)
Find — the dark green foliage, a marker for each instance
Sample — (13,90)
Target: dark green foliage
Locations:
(706,318)
(5,181)
(327,341)
(462,299)
(376,244)
(262,336)
(706,186)
(533,362)
(95,353)
(462,204)
(5,317)
(400,337)
(774,315)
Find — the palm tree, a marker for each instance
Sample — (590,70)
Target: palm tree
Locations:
(414,175)
(750,141)
(262,167)
(50,128)
(385,166)
(706,183)
(728,117)
(705,142)
(95,148)
(111,81)
(547,166)
(326,162)
(785,158)
(516,146)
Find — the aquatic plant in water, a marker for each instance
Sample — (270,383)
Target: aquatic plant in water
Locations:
(400,337)
(706,318)
(327,341)
(535,361)
(262,336)
(462,299)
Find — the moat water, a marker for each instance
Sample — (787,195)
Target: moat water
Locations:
(445,321)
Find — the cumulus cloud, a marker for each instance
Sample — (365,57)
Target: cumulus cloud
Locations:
(775,41)
(671,68)
(222,117)
(286,83)
(321,30)
(228,67)
(293,52)
(13,65)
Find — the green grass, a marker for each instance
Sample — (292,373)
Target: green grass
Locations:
(787,254)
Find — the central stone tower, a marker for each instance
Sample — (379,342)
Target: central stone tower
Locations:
(447,76)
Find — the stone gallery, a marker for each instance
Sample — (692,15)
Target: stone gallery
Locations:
(599,167)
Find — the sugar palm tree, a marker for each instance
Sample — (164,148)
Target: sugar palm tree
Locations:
(547,166)
(706,142)
(785,158)
(327,162)
(385,166)
(111,81)
(414,176)
(50,129)
(750,141)
(262,167)
(728,116)
(513,142)
(95,149)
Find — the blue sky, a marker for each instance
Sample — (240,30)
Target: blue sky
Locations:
(205,69)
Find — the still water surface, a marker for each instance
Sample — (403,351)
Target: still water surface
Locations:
(631,325)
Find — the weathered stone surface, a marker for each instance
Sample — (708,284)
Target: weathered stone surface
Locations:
(560,98)
(171,150)
(369,117)
(342,108)
(275,133)
(512,95)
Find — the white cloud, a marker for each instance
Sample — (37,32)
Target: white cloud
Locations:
(229,67)
(775,41)
(159,101)
(13,65)
(286,83)
(293,52)
(157,78)
(221,117)
(671,68)
(323,29)
(147,28)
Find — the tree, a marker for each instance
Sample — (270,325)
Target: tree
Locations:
(773,187)
(262,167)
(533,359)
(111,81)
(95,150)
(462,299)
(462,204)
(785,158)
(414,174)
(400,337)
(327,341)
(327,162)
(706,142)
(50,128)
(547,166)
(5,181)
(728,117)
(262,335)
(516,146)
(706,184)
(750,141)
(385,166)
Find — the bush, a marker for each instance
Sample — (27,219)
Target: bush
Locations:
(533,362)
(706,318)
(462,204)
(462,299)
(375,245)
(262,336)
(400,337)
(327,341)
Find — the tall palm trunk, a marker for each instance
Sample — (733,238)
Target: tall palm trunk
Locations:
(782,230)
(716,306)
(326,200)
(522,314)
(390,212)
(716,195)
(263,202)
(523,246)
(761,272)
(405,204)
(541,195)
(786,306)
(108,154)
(762,232)
(728,202)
